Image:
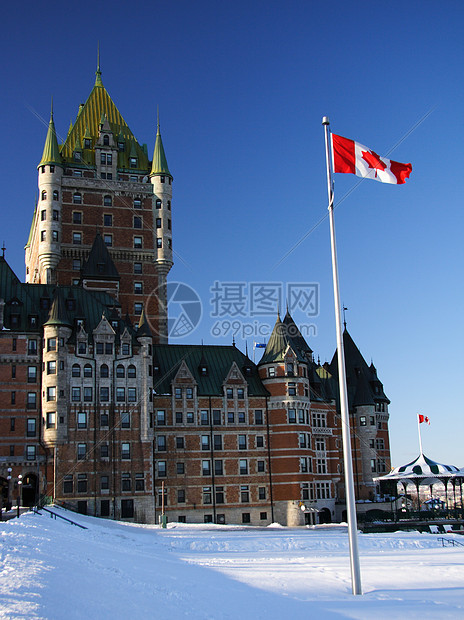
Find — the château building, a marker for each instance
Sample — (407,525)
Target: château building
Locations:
(99,412)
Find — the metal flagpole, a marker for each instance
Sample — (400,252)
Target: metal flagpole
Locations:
(418,430)
(346,435)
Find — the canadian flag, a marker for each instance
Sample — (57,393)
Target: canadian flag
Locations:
(355,158)
(423,418)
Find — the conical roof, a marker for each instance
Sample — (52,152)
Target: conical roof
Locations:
(422,467)
(51,152)
(159,164)
(98,105)
(144,328)
(99,263)
(278,344)
(58,315)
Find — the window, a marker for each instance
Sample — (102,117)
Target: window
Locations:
(82,419)
(127,509)
(88,395)
(242,442)
(104,419)
(301,416)
(207,497)
(51,344)
(178,392)
(31,400)
(243,467)
(77,173)
(161,443)
(259,441)
(51,367)
(133,162)
(244,493)
(77,238)
(271,372)
(217,442)
(51,419)
(205,444)
(138,268)
(75,394)
(261,492)
(362,420)
(240,393)
(180,468)
(162,469)
(190,417)
(31,453)
(321,465)
(32,374)
(104,451)
(230,393)
(44,195)
(87,370)
(140,482)
(106,140)
(241,417)
(180,496)
(138,307)
(206,468)
(77,198)
(189,393)
(77,217)
(125,451)
(132,395)
(219,495)
(161,417)
(104,483)
(51,393)
(322,490)
(230,417)
(138,288)
(31,346)
(108,240)
(107,219)
(137,222)
(43,215)
(216,417)
(31,427)
(373,465)
(82,483)
(81,451)
(380,444)
(120,372)
(218,467)
(55,215)
(319,419)
(158,222)
(104,394)
(290,369)
(125,419)
(259,416)
(137,203)
(120,395)
(13,398)
(292,389)
(125,348)
(68,483)
(204,417)
(158,204)
(169,205)
(126,482)
(131,372)
(104,369)
(179,417)
(180,443)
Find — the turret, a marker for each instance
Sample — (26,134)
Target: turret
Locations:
(161,179)
(50,171)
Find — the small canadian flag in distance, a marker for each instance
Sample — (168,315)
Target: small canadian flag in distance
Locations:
(423,418)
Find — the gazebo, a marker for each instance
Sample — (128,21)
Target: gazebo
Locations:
(425,471)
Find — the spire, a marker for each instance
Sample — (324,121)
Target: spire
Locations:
(144,328)
(51,152)
(160,164)
(58,315)
(98,80)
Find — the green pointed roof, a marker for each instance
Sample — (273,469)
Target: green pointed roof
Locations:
(144,328)
(29,239)
(58,315)
(279,341)
(99,263)
(159,164)
(99,105)
(51,152)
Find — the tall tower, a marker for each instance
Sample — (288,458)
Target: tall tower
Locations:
(43,251)
(161,180)
(101,181)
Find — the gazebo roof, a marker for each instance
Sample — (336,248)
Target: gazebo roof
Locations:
(421,469)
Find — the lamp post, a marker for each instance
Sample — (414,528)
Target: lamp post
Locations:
(20,482)
(8,502)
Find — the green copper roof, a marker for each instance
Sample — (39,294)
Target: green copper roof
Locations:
(144,328)
(99,263)
(279,342)
(29,239)
(51,152)
(58,315)
(99,105)
(160,164)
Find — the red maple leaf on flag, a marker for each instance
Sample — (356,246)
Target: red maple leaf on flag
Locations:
(373,160)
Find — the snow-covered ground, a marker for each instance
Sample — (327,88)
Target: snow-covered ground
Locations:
(51,569)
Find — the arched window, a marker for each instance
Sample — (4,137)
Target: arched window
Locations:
(120,372)
(76,370)
(104,371)
(107,201)
(44,195)
(131,372)
(56,195)
(106,140)
(87,370)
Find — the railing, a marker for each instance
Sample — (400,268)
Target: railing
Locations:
(54,515)
(450,542)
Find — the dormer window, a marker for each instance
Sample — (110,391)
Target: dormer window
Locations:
(121,146)
(106,140)
(87,143)
(77,156)
(133,162)
(203,371)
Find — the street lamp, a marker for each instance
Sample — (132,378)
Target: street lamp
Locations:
(20,482)
(8,502)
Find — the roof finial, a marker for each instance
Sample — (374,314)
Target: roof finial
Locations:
(51,111)
(157,119)
(3,250)
(344,317)
(98,81)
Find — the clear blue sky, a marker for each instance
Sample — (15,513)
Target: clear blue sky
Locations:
(242,88)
